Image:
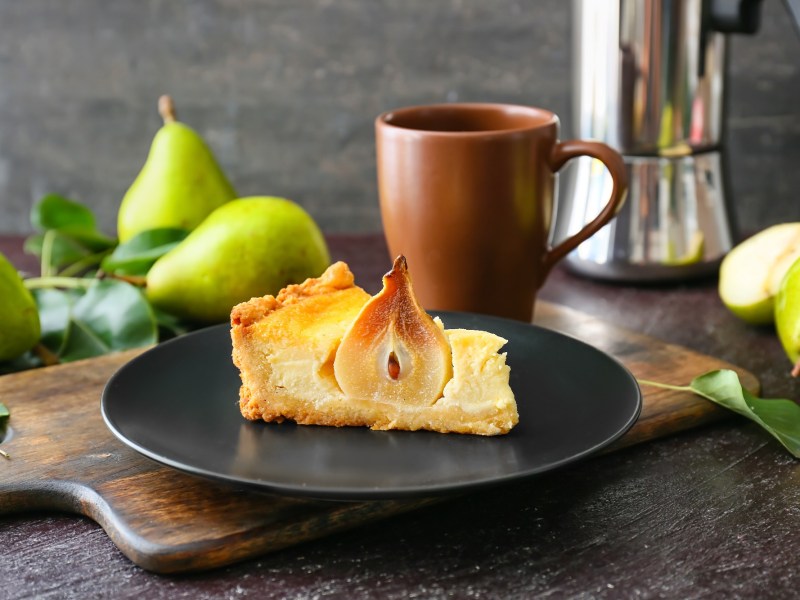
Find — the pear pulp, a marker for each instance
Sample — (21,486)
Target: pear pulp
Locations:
(751,273)
(246,248)
(394,351)
(179,185)
(787,315)
(19,317)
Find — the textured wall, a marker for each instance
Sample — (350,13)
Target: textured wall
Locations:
(285,92)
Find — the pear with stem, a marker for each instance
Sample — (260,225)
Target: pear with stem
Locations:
(179,185)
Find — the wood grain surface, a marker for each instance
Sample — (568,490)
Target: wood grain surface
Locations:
(64,458)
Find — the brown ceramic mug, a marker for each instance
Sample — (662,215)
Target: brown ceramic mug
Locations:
(467,195)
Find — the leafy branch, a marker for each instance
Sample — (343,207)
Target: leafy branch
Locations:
(89,294)
(779,417)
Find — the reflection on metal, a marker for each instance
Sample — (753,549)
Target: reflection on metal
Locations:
(674,225)
(649,79)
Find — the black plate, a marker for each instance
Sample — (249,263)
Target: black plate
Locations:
(178,404)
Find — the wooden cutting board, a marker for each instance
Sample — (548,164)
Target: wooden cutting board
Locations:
(64,458)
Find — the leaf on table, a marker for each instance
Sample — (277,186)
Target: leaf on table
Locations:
(780,417)
(137,255)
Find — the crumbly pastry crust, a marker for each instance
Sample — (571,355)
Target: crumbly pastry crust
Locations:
(337,277)
(284,347)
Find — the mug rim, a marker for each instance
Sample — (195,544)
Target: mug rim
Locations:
(548,118)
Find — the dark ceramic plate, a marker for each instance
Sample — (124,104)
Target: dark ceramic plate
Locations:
(177,404)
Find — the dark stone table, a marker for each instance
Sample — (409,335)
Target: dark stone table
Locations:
(712,512)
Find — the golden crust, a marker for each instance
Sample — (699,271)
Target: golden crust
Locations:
(310,316)
(336,277)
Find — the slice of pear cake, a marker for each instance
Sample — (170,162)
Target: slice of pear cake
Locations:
(326,353)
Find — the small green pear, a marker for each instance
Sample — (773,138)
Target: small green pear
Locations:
(787,315)
(19,317)
(246,248)
(751,273)
(179,184)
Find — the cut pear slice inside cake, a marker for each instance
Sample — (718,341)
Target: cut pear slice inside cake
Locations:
(326,353)
(393,351)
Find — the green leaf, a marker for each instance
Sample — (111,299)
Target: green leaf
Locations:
(29,360)
(111,316)
(137,255)
(171,326)
(82,342)
(94,318)
(81,316)
(54,212)
(54,307)
(89,238)
(65,250)
(71,219)
(779,417)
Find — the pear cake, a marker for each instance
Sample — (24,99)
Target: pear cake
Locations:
(324,352)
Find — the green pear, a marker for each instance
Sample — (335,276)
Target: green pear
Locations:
(20,327)
(179,185)
(751,273)
(246,248)
(787,315)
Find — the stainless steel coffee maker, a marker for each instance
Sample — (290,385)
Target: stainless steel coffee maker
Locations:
(649,80)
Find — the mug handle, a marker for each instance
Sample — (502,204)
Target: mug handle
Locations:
(560,154)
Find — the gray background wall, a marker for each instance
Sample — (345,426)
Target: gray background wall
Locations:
(285,92)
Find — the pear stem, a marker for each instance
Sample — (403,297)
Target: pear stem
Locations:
(47,357)
(47,268)
(84,263)
(796,369)
(665,386)
(63,282)
(137,280)
(166,108)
